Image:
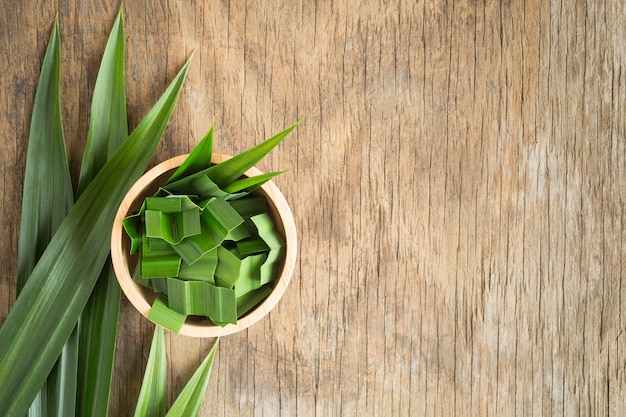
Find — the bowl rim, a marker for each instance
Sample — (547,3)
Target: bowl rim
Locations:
(135,293)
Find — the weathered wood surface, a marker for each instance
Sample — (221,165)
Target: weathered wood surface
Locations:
(459,187)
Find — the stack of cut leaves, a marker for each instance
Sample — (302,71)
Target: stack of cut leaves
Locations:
(206,242)
(58,340)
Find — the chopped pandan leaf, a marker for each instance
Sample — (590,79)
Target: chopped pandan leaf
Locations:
(139,279)
(199,185)
(193,248)
(174,227)
(164,316)
(265,226)
(251,299)
(238,233)
(158,260)
(159,285)
(249,206)
(252,245)
(134,229)
(198,159)
(155,284)
(217,219)
(250,184)
(250,274)
(202,299)
(270,269)
(201,270)
(156,244)
(158,225)
(220,215)
(170,203)
(228,268)
(230,170)
(233,249)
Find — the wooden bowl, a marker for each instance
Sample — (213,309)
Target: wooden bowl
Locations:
(142,298)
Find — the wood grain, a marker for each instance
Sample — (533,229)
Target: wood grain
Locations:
(458,186)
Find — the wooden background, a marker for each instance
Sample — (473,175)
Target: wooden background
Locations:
(458,184)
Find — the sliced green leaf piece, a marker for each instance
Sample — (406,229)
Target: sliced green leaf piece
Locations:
(220,216)
(265,226)
(201,298)
(238,233)
(61,282)
(158,260)
(217,219)
(252,245)
(249,206)
(164,316)
(251,299)
(271,267)
(198,159)
(202,186)
(228,268)
(250,274)
(201,270)
(139,279)
(174,227)
(134,228)
(189,401)
(152,401)
(170,203)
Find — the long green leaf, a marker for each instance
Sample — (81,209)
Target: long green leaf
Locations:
(48,194)
(108,128)
(152,400)
(228,171)
(47,198)
(198,159)
(190,399)
(57,290)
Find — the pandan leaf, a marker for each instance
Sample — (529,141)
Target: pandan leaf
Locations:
(47,198)
(164,316)
(170,203)
(247,301)
(250,274)
(224,173)
(228,171)
(217,220)
(158,259)
(250,184)
(200,298)
(201,270)
(252,245)
(189,401)
(228,268)
(269,269)
(202,186)
(133,227)
(197,160)
(57,290)
(152,400)
(249,206)
(108,128)
(265,226)
(172,228)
